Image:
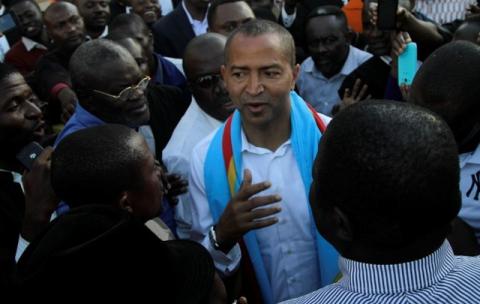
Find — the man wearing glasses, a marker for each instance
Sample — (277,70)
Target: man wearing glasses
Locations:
(109,91)
(210,107)
(112,89)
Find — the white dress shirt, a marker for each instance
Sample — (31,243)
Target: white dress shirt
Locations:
(199,27)
(470,188)
(30,44)
(194,126)
(288,248)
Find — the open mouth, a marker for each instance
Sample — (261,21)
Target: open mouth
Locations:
(39,129)
(256,108)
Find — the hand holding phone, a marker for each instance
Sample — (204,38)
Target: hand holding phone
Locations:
(407,64)
(28,154)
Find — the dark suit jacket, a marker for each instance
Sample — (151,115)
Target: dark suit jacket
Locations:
(172,33)
(167,106)
(12,208)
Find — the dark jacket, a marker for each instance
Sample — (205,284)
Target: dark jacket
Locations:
(172,33)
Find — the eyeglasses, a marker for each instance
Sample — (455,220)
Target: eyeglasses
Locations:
(128,92)
(207,81)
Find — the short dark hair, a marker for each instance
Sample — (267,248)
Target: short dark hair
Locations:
(212,10)
(392,168)
(448,81)
(6,70)
(95,165)
(16,2)
(126,20)
(88,59)
(328,10)
(259,27)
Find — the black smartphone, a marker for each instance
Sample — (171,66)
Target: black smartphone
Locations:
(387,15)
(29,153)
(7,23)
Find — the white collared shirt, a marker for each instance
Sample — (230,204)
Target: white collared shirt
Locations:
(102,35)
(199,27)
(288,247)
(194,126)
(322,92)
(470,188)
(286,18)
(30,44)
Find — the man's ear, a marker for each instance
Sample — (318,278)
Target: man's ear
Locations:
(295,72)
(343,225)
(124,202)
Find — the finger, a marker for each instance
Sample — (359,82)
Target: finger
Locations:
(346,93)
(262,213)
(247,179)
(362,92)
(249,190)
(368,97)
(356,87)
(260,201)
(45,155)
(406,37)
(262,223)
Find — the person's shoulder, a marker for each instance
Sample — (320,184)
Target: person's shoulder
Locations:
(168,19)
(360,54)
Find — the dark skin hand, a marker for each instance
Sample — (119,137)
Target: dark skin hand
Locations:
(40,200)
(399,43)
(68,101)
(241,214)
(175,186)
(354,95)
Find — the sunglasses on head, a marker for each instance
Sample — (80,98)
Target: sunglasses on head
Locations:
(128,92)
(207,81)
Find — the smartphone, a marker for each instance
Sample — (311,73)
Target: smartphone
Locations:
(29,153)
(7,23)
(387,14)
(407,64)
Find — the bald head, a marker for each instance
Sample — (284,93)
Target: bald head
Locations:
(202,49)
(64,25)
(57,8)
(202,62)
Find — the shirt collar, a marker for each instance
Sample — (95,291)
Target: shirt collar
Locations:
(102,35)
(30,44)
(213,122)
(190,19)
(397,278)
(16,177)
(348,67)
(2,10)
(248,147)
(470,157)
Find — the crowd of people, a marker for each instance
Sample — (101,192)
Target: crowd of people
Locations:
(233,151)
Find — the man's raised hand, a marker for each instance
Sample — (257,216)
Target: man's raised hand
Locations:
(243,214)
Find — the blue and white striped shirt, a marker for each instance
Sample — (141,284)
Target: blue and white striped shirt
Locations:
(440,277)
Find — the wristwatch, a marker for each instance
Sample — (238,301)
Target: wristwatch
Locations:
(213,238)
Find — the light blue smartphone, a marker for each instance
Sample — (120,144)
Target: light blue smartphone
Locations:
(407,64)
